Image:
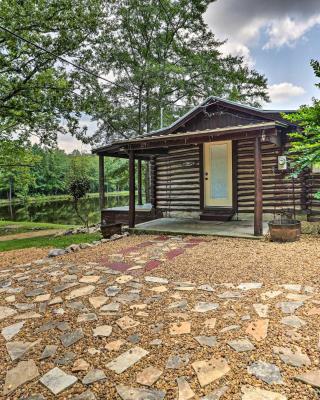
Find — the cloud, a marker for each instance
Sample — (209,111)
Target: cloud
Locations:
(243,22)
(285,93)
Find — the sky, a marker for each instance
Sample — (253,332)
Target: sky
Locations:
(278,38)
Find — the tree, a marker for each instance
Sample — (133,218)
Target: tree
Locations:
(305,147)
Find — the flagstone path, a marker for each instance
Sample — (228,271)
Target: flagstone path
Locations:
(113,329)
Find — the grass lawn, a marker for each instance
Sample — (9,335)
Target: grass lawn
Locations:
(12,227)
(49,241)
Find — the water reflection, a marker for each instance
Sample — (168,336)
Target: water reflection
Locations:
(58,211)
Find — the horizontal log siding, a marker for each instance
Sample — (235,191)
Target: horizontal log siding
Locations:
(313,186)
(177,186)
(277,189)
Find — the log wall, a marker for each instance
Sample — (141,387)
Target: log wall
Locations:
(313,186)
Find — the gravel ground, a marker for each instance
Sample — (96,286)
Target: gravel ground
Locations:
(221,263)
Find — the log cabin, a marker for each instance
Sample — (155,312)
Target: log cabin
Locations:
(219,161)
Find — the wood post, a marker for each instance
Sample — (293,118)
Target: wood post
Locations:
(132,206)
(102,199)
(153,173)
(139,183)
(258,224)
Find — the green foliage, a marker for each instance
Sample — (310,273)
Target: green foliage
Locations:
(13,227)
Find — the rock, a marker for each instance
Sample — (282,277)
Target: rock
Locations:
(88,317)
(311,378)
(55,300)
(258,329)
(42,297)
(209,371)
(210,323)
(77,306)
(289,307)
(93,376)
(202,307)
(129,393)
(209,341)
(89,279)
(18,349)
(250,285)
(83,291)
(127,323)
(111,307)
(73,248)
(184,389)
(87,395)
(48,351)
(268,373)
(128,298)
(156,279)
(80,365)
(24,372)
(112,291)
(216,394)
(253,393)
(66,359)
(24,306)
(127,359)
(293,321)
(64,286)
(230,295)
(27,315)
(206,288)
(156,342)
(57,380)
(177,361)
(102,330)
(6,312)
(56,252)
(134,339)
(292,287)
(270,294)
(241,345)
(180,305)
(230,328)
(289,357)
(98,301)
(180,328)
(69,338)
(261,310)
(114,345)
(148,376)
(10,331)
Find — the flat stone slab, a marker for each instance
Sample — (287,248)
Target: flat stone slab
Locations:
(216,394)
(293,321)
(69,338)
(156,279)
(129,393)
(267,372)
(88,317)
(111,307)
(241,345)
(10,331)
(210,323)
(203,307)
(18,349)
(206,288)
(89,279)
(98,301)
(6,312)
(180,328)
(35,292)
(209,341)
(112,291)
(127,323)
(93,376)
(177,361)
(24,372)
(290,357)
(253,393)
(289,307)
(261,309)
(127,359)
(48,351)
(80,292)
(149,376)
(87,395)
(209,371)
(102,331)
(250,285)
(184,390)
(311,378)
(57,380)
(258,329)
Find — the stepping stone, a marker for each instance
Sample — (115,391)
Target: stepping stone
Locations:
(270,294)
(6,312)
(70,338)
(102,331)
(180,328)
(24,306)
(42,297)
(27,315)
(77,306)
(89,279)
(114,345)
(230,295)
(156,342)
(148,376)
(261,310)
(202,307)
(89,317)
(206,288)
(64,286)
(230,328)
(209,341)
(10,299)
(66,359)
(83,291)
(181,305)
(216,394)
(292,287)
(98,301)
(313,311)
(87,395)
(134,339)
(124,279)
(289,307)
(156,279)
(297,297)
(35,292)
(209,371)
(93,376)
(55,300)
(311,378)
(184,390)
(10,331)
(48,351)
(289,357)
(128,298)
(24,372)
(249,286)
(258,329)
(293,321)
(159,289)
(177,361)
(267,372)
(241,345)
(127,323)
(112,291)
(111,307)
(129,393)
(210,323)
(253,393)
(18,349)
(57,380)
(127,359)
(138,306)
(80,365)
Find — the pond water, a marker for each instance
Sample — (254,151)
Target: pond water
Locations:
(58,211)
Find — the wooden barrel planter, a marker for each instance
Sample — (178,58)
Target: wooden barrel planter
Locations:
(109,229)
(284,231)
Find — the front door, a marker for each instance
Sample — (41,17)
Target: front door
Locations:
(218,174)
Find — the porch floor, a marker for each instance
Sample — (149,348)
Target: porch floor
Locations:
(182,226)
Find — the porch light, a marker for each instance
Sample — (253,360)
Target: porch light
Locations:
(263,136)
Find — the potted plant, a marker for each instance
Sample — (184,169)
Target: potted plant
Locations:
(284,228)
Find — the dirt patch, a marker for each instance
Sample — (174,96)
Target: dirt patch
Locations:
(22,256)
(29,235)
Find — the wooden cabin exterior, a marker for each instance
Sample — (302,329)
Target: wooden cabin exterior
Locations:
(220,160)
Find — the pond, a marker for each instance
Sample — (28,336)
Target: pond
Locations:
(59,211)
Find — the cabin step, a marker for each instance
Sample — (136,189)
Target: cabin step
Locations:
(218,214)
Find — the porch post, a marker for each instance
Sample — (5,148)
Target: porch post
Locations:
(258,227)
(139,183)
(132,210)
(102,199)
